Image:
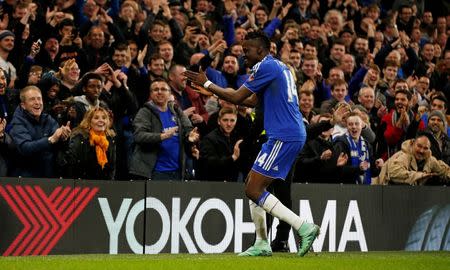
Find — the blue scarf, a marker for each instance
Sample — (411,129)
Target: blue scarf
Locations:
(359,152)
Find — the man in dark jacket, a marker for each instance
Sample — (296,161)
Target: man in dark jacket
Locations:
(36,136)
(437,134)
(161,132)
(219,150)
(314,163)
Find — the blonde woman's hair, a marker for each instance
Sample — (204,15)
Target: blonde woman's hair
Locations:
(85,124)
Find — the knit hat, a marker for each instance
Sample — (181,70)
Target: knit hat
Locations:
(6,33)
(440,115)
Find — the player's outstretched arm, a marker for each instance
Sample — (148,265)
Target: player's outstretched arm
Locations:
(228,94)
(251,101)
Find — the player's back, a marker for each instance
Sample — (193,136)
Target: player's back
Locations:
(275,86)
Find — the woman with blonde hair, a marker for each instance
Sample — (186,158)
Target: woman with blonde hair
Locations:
(92,148)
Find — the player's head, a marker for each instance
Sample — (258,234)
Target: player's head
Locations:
(256,46)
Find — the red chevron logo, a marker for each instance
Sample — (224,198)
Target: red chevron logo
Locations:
(45,218)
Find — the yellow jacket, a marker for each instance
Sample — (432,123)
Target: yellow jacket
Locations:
(401,168)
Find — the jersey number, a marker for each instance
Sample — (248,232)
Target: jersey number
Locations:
(262,159)
(292,89)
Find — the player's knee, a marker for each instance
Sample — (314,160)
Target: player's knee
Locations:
(251,194)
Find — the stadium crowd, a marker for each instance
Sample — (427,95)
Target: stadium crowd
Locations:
(95,89)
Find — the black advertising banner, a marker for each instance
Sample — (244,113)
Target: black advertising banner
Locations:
(197,217)
(416,219)
(347,214)
(105,226)
(41,216)
(36,216)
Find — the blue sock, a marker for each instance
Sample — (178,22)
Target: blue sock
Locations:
(263,198)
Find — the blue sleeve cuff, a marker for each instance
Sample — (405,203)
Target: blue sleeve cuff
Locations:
(143,71)
(29,59)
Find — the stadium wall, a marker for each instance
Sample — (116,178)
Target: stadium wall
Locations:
(41,216)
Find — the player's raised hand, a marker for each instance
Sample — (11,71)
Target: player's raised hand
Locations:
(201,90)
(199,78)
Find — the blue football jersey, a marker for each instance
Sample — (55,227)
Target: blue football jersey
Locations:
(273,82)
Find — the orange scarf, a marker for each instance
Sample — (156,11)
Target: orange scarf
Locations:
(101,145)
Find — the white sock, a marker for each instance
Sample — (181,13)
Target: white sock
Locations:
(274,207)
(259,219)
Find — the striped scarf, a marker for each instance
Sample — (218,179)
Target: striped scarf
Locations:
(359,152)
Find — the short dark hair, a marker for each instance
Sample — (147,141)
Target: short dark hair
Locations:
(65,22)
(174,66)
(400,8)
(163,42)
(390,63)
(426,43)
(158,22)
(338,42)
(441,98)
(421,134)
(157,79)
(263,8)
(89,76)
(120,47)
(259,37)
(374,67)
(405,92)
(338,82)
(227,110)
(309,57)
(153,57)
(309,43)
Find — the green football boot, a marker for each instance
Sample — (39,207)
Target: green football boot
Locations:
(308,232)
(260,248)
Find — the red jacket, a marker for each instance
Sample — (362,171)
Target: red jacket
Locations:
(197,102)
(394,136)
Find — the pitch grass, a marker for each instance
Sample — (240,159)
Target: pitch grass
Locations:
(228,261)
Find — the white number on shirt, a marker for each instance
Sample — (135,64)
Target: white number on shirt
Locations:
(292,89)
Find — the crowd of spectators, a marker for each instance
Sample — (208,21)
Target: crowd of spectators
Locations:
(95,89)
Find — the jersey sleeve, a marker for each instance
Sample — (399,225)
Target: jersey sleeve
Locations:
(261,76)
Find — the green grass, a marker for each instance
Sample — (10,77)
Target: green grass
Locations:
(318,261)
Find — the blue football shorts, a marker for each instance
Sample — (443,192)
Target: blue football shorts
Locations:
(276,158)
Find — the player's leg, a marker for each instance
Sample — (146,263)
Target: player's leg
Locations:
(274,162)
(282,190)
(255,190)
(261,247)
